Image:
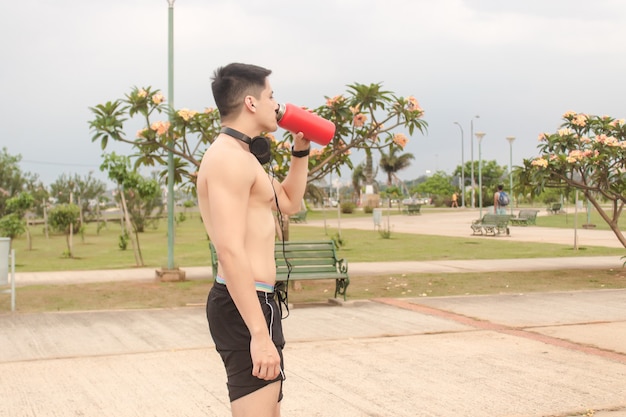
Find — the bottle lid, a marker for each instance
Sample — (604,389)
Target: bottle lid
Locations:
(280,111)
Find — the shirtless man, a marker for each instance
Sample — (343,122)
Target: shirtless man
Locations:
(236,198)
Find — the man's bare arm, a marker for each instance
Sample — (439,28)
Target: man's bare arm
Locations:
(294,185)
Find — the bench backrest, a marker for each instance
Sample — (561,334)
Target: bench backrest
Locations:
(496,218)
(305,256)
(528,214)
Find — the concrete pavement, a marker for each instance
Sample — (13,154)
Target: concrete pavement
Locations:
(541,354)
(549,354)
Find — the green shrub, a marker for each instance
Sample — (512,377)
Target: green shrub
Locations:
(347,207)
(11,226)
(123,241)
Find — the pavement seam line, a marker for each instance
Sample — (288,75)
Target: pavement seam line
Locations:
(105,355)
(500,328)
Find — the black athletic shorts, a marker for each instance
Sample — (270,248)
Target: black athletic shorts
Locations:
(232,339)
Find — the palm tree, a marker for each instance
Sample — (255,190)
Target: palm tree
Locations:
(357,179)
(392,162)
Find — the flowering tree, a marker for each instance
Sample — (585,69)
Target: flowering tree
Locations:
(364,118)
(588,153)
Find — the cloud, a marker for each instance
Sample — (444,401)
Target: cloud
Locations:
(519,65)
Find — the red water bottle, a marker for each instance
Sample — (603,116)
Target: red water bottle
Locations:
(296,119)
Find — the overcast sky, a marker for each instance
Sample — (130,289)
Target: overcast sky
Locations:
(519,65)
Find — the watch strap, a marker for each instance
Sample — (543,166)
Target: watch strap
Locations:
(300,154)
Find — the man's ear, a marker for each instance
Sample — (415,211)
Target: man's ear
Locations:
(249,103)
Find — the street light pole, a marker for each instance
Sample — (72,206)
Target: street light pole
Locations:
(511,139)
(479,136)
(472,155)
(462,167)
(170,155)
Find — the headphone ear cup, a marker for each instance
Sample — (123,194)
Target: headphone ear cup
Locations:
(261,148)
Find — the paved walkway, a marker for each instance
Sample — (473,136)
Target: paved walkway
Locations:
(540,354)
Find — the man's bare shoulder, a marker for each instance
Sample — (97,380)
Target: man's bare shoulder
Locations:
(223,159)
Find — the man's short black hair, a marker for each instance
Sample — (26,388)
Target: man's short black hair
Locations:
(232,83)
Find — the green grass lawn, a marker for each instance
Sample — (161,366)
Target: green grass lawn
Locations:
(94,250)
(563,220)
(566,220)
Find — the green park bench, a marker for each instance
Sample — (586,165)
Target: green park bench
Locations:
(412,209)
(309,260)
(299,217)
(491,224)
(554,208)
(525,217)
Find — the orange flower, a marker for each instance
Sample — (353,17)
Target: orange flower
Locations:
(142,93)
(158,98)
(332,101)
(413,104)
(160,127)
(187,114)
(141,132)
(316,152)
(400,140)
(580,120)
(564,132)
(355,109)
(569,114)
(539,162)
(359,120)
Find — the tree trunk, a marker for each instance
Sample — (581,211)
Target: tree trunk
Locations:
(368,170)
(28,237)
(129,228)
(613,224)
(45,219)
(69,244)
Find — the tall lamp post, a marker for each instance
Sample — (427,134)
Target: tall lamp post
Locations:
(480,136)
(462,167)
(472,155)
(170,156)
(511,139)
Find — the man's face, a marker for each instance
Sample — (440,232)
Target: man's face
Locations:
(266,108)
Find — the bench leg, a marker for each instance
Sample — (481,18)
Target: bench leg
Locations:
(341,285)
(490,230)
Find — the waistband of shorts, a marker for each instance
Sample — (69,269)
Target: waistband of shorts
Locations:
(260,286)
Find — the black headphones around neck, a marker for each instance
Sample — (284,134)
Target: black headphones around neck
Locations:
(260,146)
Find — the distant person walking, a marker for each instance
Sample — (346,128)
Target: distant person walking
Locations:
(455,198)
(500,201)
